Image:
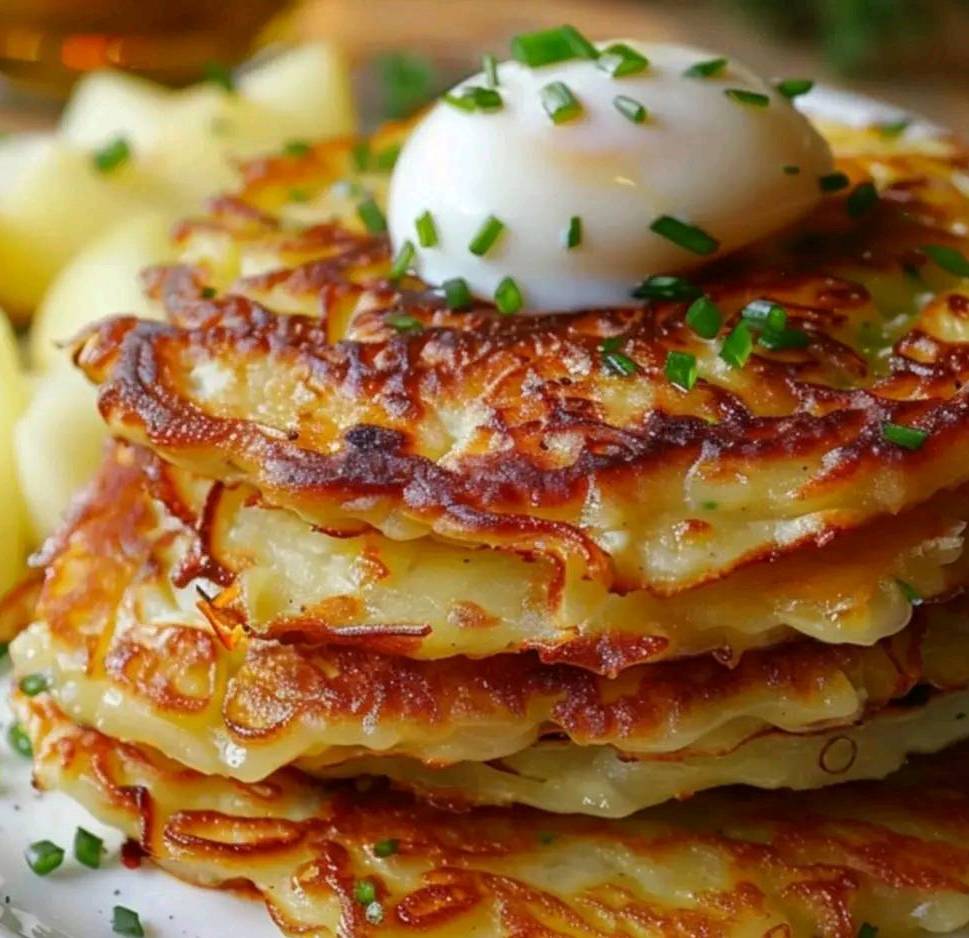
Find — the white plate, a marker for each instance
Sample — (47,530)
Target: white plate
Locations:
(75,902)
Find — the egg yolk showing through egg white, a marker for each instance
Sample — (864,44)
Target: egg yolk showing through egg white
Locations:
(562,186)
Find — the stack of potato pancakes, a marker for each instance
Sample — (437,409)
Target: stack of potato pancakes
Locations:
(392,610)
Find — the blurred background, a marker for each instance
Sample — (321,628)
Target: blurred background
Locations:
(912,52)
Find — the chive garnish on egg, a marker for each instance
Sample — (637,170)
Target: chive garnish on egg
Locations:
(548,46)
(486,236)
(457,294)
(707,69)
(559,102)
(630,108)
(689,237)
(508,297)
(489,65)
(403,260)
(426,230)
(794,87)
(665,287)
(681,370)
(620,60)
(475,98)
(573,234)
(749,98)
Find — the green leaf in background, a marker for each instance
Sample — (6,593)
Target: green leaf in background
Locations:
(407,83)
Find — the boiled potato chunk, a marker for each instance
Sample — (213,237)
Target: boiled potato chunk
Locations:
(58,443)
(309,84)
(13,543)
(102,280)
(106,105)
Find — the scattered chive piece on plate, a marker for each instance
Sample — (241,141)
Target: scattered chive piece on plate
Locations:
(689,237)
(749,98)
(403,322)
(893,129)
(737,347)
(549,46)
(43,857)
(88,848)
(630,108)
(364,891)
(913,596)
(386,848)
(386,159)
(112,155)
(681,370)
(296,148)
(426,230)
(486,236)
(666,287)
(403,260)
(490,66)
(862,200)
(457,295)
(951,260)
(794,87)
(4,649)
(707,69)
(508,298)
(867,931)
(910,438)
(299,195)
(615,361)
(126,922)
(833,182)
(620,60)
(792,170)
(218,74)
(573,234)
(559,102)
(20,741)
(372,217)
(765,314)
(33,684)
(704,317)
(360,154)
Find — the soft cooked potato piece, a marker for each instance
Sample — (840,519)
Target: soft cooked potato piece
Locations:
(101,280)
(57,445)
(106,105)
(13,544)
(53,201)
(310,84)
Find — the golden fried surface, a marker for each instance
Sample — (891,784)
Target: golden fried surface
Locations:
(512,431)
(733,865)
(132,645)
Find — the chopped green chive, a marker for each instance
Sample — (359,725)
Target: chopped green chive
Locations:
(559,102)
(386,848)
(704,317)
(546,837)
(476,98)
(486,236)
(681,370)
(750,98)
(386,159)
(910,438)
(665,287)
(615,361)
(33,684)
(620,60)
(951,260)
(573,234)
(360,154)
(765,314)
(403,260)
(208,293)
(456,293)
(688,237)
(218,74)
(44,857)
(490,66)
(126,922)
(20,741)
(629,108)
(372,217)
(296,148)
(299,195)
(4,649)
(88,848)
(374,913)
(707,69)
(792,170)
(777,340)
(364,891)
(426,230)
(833,182)
(508,298)
(402,322)
(913,596)
(794,87)
(737,346)
(552,45)
(709,505)
(112,155)
(867,931)
(863,199)
(893,129)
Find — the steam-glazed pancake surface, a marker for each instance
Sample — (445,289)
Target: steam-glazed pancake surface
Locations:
(736,864)
(511,430)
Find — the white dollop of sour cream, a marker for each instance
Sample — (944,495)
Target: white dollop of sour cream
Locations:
(701,156)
